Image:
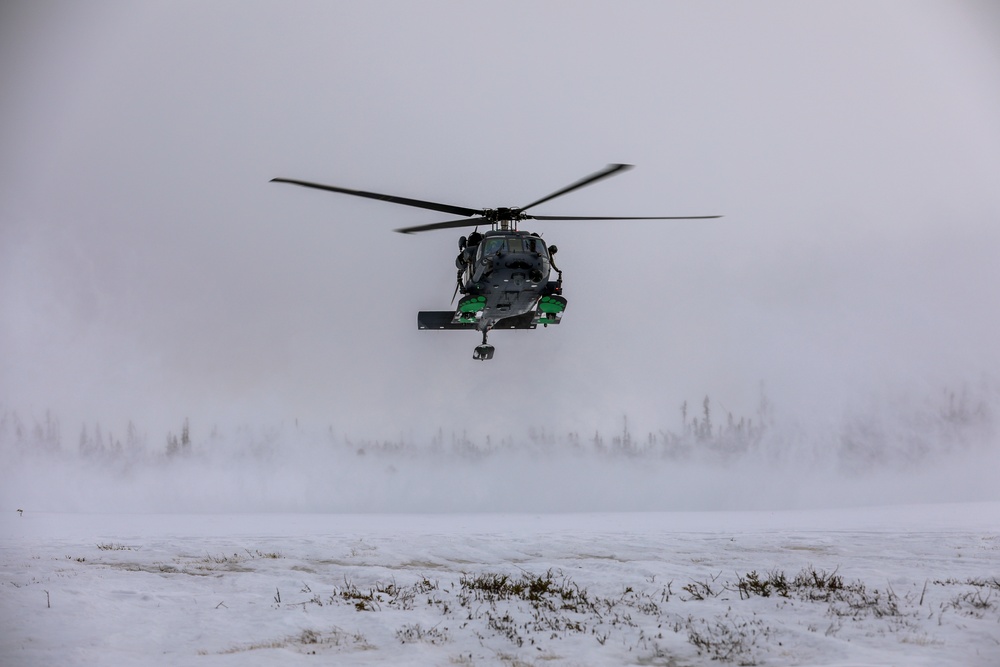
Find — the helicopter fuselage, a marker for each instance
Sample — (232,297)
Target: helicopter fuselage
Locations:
(504,277)
(510,269)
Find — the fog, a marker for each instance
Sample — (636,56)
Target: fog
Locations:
(892,453)
(150,273)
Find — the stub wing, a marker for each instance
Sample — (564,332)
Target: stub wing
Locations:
(470,312)
(445,320)
(441,319)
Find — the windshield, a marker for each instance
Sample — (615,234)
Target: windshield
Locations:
(535,245)
(495,244)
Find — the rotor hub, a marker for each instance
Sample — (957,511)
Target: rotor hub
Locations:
(504,213)
(505,218)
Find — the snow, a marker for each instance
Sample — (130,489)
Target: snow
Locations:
(919,585)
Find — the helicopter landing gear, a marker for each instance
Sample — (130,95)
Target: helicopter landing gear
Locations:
(485,351)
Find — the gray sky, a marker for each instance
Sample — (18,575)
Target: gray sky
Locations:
(149,271)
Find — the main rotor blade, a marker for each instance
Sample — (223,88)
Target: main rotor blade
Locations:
(600,217)
(447,224)
(434,206)
(593,178)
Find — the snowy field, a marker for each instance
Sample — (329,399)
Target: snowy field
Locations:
(876,544)
(894,585)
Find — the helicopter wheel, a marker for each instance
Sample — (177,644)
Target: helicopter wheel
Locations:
(483,353)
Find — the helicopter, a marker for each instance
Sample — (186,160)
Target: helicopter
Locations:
(504,273)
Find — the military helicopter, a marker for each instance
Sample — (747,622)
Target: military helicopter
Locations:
(503,273)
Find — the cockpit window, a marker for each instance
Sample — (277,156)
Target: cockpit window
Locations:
(535,245)
(492,246)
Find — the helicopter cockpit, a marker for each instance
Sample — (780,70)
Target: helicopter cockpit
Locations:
(493,245)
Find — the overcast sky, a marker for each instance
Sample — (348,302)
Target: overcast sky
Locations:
(149,270)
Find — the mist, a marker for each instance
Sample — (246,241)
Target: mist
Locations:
(150,274)
(898,450)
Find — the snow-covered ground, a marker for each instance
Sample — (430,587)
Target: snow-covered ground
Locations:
(892,585)
(873,543)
